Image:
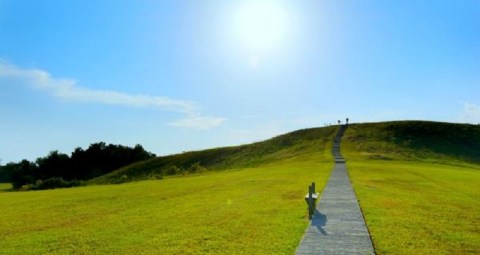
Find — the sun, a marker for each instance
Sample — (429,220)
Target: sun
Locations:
(261,25)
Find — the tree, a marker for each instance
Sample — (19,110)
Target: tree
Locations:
(60,169)
(22,173)
(5,175)
(56,164)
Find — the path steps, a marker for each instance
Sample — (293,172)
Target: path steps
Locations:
(338,226)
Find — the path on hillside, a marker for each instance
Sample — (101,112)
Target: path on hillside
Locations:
(338,226)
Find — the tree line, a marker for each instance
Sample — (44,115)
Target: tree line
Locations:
(61,170)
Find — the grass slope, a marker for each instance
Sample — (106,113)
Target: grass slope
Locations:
(246,211)
(417,183)
(415,140)
(243,210)
(282,147)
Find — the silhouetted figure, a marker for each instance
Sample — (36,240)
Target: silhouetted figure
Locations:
(339,122)
(347,121)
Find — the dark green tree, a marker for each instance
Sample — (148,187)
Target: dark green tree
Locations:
(65,171)
(56,164)
(22,173)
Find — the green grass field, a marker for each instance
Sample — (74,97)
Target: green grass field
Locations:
(242,211)
(412,203)
(417,182)
(419,208)
(5,187)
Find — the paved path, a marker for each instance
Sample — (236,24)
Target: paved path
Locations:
(338,226)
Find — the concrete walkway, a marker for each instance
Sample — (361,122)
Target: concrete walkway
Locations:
(338,226)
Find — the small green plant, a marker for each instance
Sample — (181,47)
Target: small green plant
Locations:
(196,168)
(52,183)
(120,179)
(155,176)
(173,170)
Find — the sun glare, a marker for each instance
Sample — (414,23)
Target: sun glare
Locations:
(261,25)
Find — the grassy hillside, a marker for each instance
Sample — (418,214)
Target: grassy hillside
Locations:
(417,183)
(252,210)
(286,146)
(253,206)
(414,140)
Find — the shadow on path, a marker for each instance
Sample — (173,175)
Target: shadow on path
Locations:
(319,221)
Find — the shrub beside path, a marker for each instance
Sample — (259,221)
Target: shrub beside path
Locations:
(338,226)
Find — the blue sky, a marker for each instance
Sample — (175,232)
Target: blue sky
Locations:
(187,75)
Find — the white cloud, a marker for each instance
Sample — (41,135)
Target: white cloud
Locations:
(470,114)
(198,122)
(69,90)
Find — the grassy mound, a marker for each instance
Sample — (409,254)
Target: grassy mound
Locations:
(400,140)
(417,183)
(282,147)
(252,210)
(414,140)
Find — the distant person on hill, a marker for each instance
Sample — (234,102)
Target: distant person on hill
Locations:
(347,121)
(339,122)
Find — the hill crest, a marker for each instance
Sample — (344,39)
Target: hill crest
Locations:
(404,140)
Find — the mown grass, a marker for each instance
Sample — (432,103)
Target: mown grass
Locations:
(419,208)
(417,183)
(282,147)
(416,199)
(415,141)
(5,187)
(257,210)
